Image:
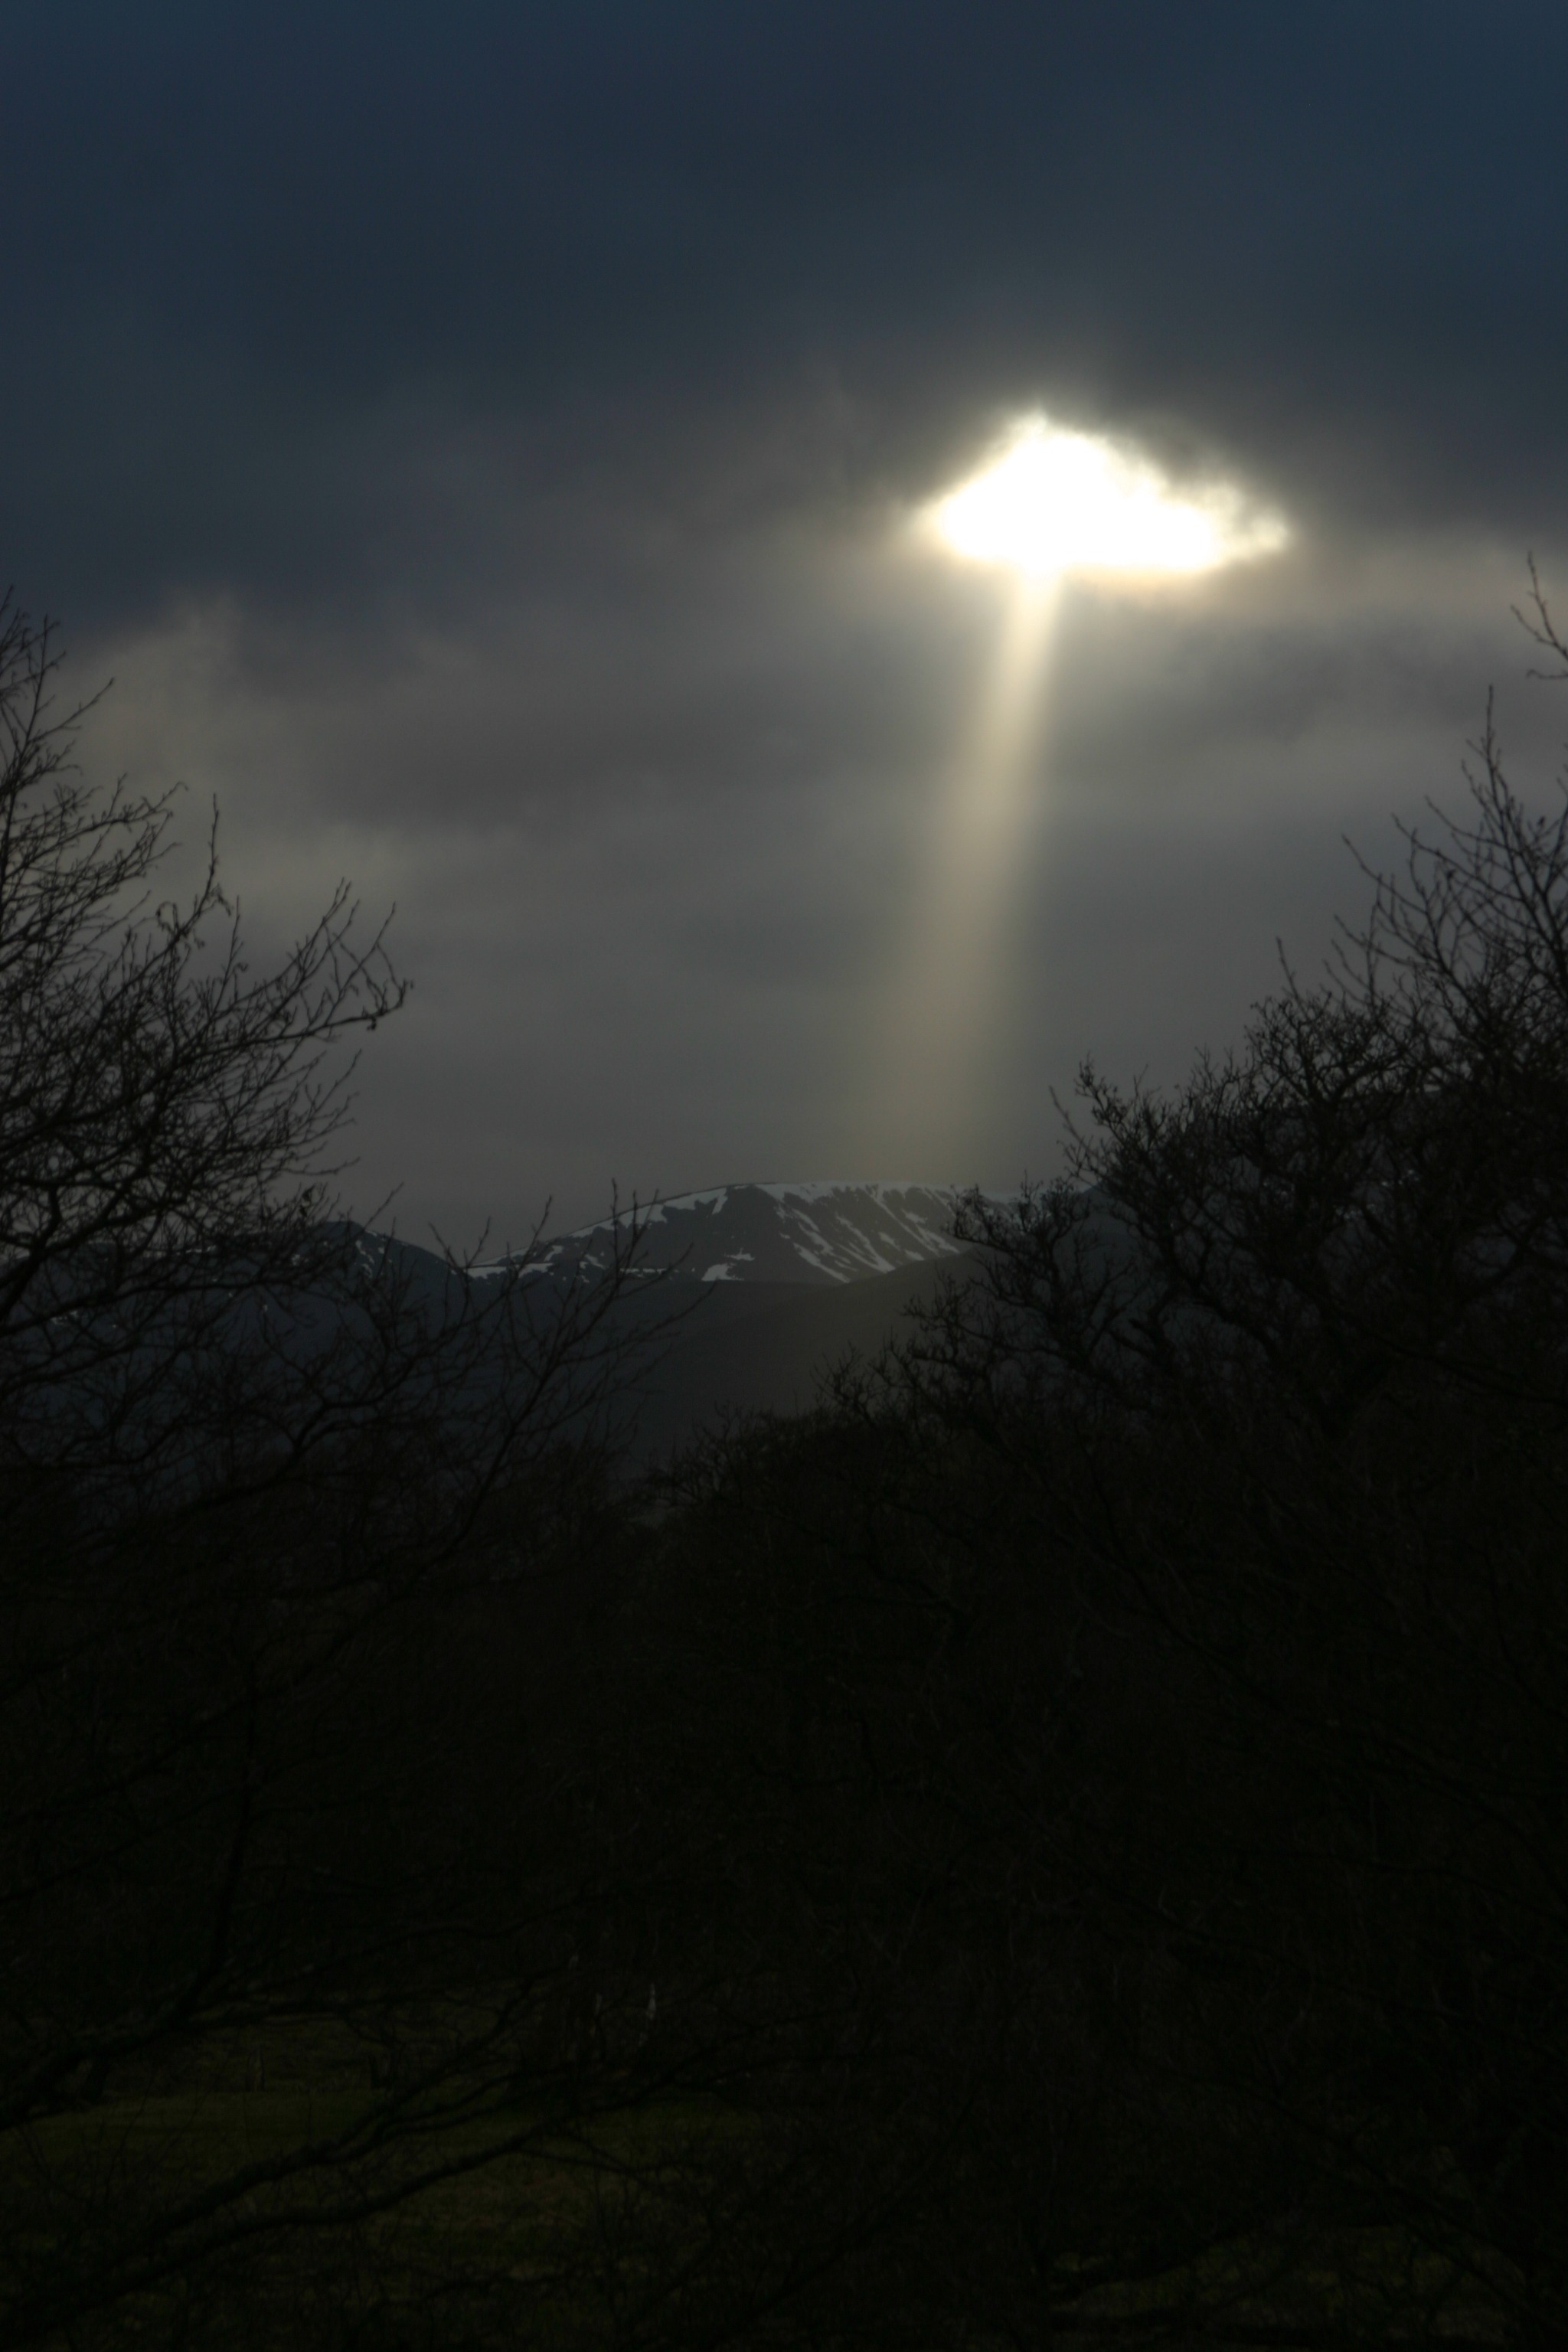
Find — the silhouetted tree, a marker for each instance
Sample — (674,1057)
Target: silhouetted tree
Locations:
(303,1613)
(1282,1368)
(1128,1721)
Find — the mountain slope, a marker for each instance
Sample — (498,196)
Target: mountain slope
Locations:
(766,1347)
(819,1234)
(750,1293)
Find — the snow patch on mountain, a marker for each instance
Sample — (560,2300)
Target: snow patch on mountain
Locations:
(819,1232)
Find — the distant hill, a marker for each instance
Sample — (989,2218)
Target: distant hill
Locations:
(821,1232)
(770,1285)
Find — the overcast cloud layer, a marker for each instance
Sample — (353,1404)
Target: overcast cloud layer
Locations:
(482,444)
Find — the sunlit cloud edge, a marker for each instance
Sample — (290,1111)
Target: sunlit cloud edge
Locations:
(1052,501)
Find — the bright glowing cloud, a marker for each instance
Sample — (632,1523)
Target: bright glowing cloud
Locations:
(1055,501)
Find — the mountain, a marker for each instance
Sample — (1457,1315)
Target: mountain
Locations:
(819,1234)
(760,1290)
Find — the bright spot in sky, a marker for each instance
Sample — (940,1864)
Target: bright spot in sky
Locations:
(1055,501)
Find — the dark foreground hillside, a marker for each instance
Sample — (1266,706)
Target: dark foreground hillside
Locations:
(767,1348)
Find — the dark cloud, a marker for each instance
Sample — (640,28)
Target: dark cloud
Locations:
(266,259)
(477,437)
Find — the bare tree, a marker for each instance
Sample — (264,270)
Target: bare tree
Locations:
(306,1535)
(1128,1723)
(1281,1373)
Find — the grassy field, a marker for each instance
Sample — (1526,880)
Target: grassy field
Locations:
(279,2193)
(634,2222)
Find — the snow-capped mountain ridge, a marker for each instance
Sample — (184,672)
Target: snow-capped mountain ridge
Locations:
(822,1231)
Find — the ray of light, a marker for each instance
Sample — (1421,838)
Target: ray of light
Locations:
(1052,503)
(937,1031)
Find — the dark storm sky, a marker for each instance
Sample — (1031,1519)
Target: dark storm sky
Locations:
(476,439)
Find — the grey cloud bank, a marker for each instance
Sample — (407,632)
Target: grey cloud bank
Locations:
(478,448)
